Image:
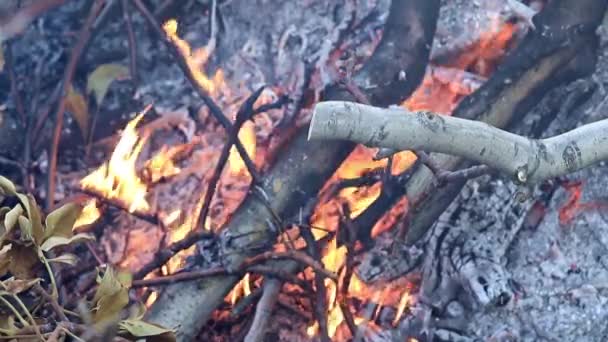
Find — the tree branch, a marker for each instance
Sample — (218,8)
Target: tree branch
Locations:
(527,160)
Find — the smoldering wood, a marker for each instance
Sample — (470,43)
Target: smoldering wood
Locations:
(303,167)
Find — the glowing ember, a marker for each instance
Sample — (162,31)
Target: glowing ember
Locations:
(117,179)
(573,205)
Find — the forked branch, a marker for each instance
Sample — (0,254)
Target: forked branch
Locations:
(527,160)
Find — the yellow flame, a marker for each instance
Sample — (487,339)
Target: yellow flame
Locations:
(241,289)
(247,137)
(403,304)
(195,59)
(161,166)
(90,213)
(117,179)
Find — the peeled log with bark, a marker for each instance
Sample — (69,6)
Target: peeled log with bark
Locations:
(303,168)
(524,159)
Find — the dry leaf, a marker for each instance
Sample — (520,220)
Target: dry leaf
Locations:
(16,286)
(61,221)
(138,329)
(99,80)
(22,261)
(77,105)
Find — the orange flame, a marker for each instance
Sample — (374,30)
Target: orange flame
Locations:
(196,59)
(248,138)
(117,179)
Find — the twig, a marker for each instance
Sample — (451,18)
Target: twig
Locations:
(10,67)
(263,311)
(244,114)
(126,15)
(148,217)
(54,304)
(245,267)
(526,160)
(83,36)
(351,238)
(445,176)
(18,21)
(320,300)
(163,255)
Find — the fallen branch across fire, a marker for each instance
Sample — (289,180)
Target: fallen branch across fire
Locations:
(526,160)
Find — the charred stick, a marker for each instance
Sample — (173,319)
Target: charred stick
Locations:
(10,67)
(163,255)
(263,311)
(52,301)
(148,217)
(298,256)
(246,267)
(243,303)
(320,299)
(351,239)
(244,114)
(83,37)
(19,20)
(127,19)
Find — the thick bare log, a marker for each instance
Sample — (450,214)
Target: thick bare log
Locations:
(303,167)
(524,159)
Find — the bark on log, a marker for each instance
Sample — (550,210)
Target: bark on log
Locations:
(523,159)
(303,167)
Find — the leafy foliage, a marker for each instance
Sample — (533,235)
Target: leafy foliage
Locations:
(29,246)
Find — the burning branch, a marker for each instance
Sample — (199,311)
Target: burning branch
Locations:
(303,168)
(527,160)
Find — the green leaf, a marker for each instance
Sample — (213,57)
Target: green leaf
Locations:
(26,228)
(33,213)
(61,221)
(7,187)
(112,295)
(67,258)
(138,329)
(100,79)
(11,218)
(77,105)
(58,241)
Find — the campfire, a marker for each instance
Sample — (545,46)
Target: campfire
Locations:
(210,210)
